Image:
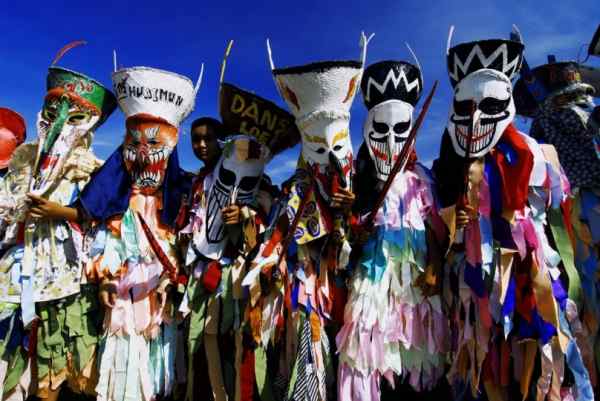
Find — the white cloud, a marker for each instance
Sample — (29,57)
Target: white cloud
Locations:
(281,168)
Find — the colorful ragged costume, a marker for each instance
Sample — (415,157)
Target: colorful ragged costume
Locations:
(235,295)
(391,325)
(43,286)
(565,116)
(505,286)
(319,95)
(135,199)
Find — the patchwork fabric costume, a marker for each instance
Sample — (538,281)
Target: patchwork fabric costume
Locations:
(235,295)
(565,116)
(392,325)
(43,286)
(319,95)
(505,284)
(135,199)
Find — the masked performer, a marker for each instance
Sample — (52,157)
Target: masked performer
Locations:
(135,197)
(391,326)
(42,274)
(319,95)
(229,218)
(565,116)
(504,286)
(12,134)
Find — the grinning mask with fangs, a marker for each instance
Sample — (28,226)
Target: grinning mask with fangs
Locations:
(482,108)
(148,144)
(483,105)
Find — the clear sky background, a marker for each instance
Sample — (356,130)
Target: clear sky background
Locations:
(179,35)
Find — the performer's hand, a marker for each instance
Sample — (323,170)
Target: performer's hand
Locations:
(231,214)
(42,208)
(108,293)
(464,216)
(343,199)
(363,234)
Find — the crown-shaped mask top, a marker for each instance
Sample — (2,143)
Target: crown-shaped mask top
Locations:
(387,80)
(505,56)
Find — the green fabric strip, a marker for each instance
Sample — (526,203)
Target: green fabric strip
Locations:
(16,367)
(262,378)
(227,302)
(565,249)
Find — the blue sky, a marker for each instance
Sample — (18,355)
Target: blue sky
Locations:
(180,35)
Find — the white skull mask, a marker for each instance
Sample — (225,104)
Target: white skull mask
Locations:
(386,129)
(483,104)
(237,178)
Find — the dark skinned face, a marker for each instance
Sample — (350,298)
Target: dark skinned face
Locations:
(205,145)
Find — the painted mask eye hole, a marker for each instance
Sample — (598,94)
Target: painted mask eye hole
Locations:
(321,150)
(493,106)
(248,183)
(337,147)
(49,114)
(464,108)
(227,177)
(401,127)
(380,128)
(78,118)
(153,141)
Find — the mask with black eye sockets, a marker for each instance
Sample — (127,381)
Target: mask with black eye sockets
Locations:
(237,179)
(482,109)
(385,132)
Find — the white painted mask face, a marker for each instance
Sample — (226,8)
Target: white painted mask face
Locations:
(483,104)
(324,136)
(237,178)
(386,129)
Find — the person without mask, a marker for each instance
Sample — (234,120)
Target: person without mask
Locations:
(43,285)
(393,321)
(136,200)
(503,285)
(234,298)
(206,132)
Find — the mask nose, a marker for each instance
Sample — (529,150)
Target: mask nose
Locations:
(143,153)
(475,120)
(336,166)
(57,126)
(391,141)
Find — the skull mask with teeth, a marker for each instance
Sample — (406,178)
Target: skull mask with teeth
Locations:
(390,89)
(386,129)
(146,150)
(237,178)
(482,109)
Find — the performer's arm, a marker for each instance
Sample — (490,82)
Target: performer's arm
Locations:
(43,208)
